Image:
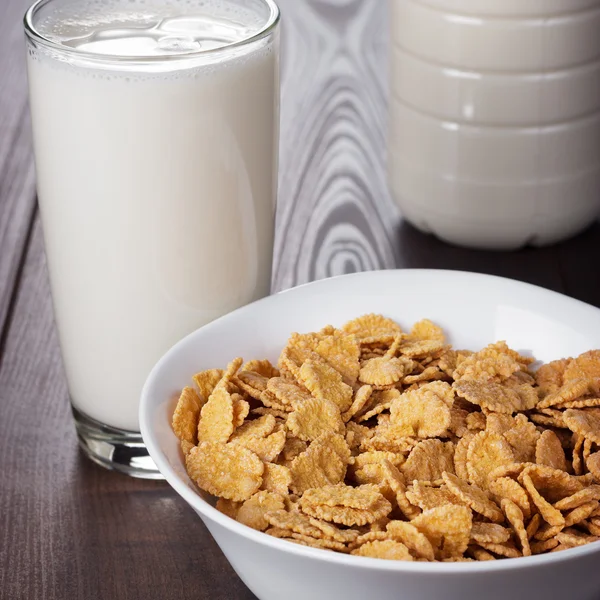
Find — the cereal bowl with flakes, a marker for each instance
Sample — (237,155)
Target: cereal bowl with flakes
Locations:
(394,435)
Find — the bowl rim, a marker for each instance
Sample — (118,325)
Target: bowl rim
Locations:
(206,511)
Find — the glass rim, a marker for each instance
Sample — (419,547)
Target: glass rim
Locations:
(35,36)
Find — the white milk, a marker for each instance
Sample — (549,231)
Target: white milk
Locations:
(494,139)
(156,185)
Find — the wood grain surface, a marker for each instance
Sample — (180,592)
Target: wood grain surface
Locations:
(69,529)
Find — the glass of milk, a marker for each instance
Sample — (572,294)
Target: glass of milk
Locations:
(155,126)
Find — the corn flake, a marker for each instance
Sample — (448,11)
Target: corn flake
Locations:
(226,470)
(421,413)
(207,381)
(383,371)
(428,460)
(386,549)
(486,452)
(584,422)
(318,466)
(276,478)
(488,533)
(325,383)
(186,415)
(549,451)
(216,417)
(473,497)
(448,529)
(252,511)
(314,418)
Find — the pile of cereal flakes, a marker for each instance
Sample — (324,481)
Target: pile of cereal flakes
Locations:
(375,442)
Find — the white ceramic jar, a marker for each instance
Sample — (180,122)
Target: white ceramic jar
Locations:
(495,118)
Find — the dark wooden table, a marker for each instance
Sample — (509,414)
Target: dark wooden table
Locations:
(69,529)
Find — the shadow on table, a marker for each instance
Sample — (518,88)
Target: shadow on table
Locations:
(572,267)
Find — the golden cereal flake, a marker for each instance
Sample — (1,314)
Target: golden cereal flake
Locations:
(487,365)
(473,497)
(361,398)
(386,549)
(486,452)
(448,528)
(460,455)
(295,522)
(549,451)
(262,367)
(584,422)
(186,415)
(228,507)
(577,454)
(428,460)
(252,512)
(314,418)
(337,443)
(339,504)
(230,471)
(545,546)
(476,421)
(584,496)
(522,437)
(264,410)
(397,482)
(342,352)
(419,349)
(216,417)
(572,390)
(287,392)
(581,403)
(267,448)
(505,487)
(427,330)
(276,478)
(428,374)
(534,524)
(426,496)
(506,550)
(207,381)
(496,397)
(380,401)
(362,497)
(417,543)
(420,413)
(383,371)
(593,465)
(376,456)
(586,365)
(488,533)
(316,467)
(479,553)
(573,538)
(252,383)
(292,448)
(186,447)
(549,377)
(551,515)
(241,409)
(514,516)
(581,513)
(325,383)
(260,428)
(372,326)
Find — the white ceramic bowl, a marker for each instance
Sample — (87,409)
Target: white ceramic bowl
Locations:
(474,309)
(494,43)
